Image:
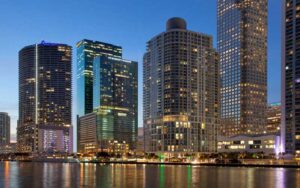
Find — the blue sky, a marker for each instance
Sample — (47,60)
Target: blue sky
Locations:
(128,23)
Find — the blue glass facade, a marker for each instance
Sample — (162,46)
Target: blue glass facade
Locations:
(229,48)
(242,45)
(115,100)
(87,50)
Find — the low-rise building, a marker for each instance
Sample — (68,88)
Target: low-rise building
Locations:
(87,134)
(268,144)
(116,147)
(8,148)
(90,138)
(140,146)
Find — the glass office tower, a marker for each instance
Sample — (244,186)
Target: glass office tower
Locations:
(242,46)
(87,50)
(181,102)
(115,100)
(291,77)
(45,98)
(4,128)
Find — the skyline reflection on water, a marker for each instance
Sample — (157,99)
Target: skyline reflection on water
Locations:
(27,174)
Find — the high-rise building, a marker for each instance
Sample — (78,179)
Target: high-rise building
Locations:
(87,50)
(45,98)
(107,86)
(242,46)
(4,128)
(181,102)
(274,119)
(116,100)
(291,77)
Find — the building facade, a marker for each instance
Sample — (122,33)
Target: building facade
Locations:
(116,100)
(140,148)
(274,119)
(181,102)
(266,143)
(45,98)
(8,148)
(242,46)
(4,128)
(87,134)
(291,77)
(87,50)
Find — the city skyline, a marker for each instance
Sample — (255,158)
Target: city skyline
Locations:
(133,30)
(195,93)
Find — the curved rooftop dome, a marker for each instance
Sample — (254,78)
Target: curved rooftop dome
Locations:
(176,23)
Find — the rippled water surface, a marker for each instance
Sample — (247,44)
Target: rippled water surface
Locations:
(31,175)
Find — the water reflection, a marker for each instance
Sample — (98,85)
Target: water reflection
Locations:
(39,175)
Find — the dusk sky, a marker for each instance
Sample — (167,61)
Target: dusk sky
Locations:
(129,24)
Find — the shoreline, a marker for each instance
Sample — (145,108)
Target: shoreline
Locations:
(202,164)
(175,164)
